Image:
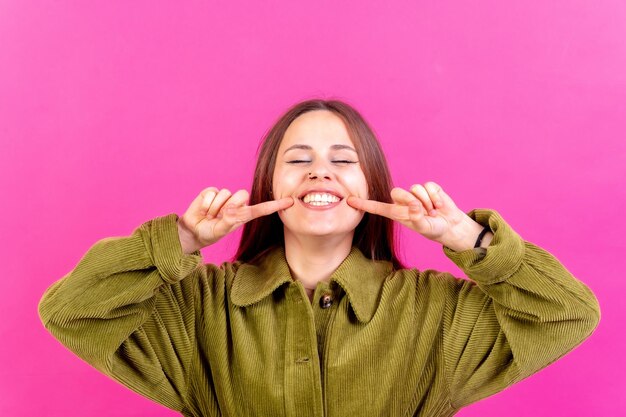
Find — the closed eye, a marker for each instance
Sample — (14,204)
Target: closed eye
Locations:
(337,161)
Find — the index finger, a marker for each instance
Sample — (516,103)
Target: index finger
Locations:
(391,211)
(268,207)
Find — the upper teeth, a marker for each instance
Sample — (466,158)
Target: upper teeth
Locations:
(319,199)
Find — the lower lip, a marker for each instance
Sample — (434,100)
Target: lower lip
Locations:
(324,207)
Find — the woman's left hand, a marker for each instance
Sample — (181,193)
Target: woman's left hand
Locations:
(429,211)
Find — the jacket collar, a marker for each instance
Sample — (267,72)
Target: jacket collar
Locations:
(361,278)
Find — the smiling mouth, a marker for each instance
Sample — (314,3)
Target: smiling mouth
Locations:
(320,199)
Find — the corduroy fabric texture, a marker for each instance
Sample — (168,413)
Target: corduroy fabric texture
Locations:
(244,340)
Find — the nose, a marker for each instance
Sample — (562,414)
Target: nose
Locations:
(319,170)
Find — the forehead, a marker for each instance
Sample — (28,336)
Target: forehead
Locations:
(318,129)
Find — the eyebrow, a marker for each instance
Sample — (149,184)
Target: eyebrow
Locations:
(309,148)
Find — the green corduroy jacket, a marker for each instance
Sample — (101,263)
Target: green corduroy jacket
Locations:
(244,340)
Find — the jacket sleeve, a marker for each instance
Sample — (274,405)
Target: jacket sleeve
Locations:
(126,310)
(522,311)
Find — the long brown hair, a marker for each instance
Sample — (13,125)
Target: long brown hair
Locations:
(374,235)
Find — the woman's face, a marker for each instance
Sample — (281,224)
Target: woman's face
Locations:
(318,166)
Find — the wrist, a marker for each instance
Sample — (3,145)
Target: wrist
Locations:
(464,236)
(188,242)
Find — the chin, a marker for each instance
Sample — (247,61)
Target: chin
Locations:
(320,228)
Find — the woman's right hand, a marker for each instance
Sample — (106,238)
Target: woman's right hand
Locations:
(215,213)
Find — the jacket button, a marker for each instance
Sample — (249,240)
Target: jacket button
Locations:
(326,301)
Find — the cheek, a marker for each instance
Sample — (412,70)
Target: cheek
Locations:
(283,185)
(365,189)
(357,184)
(277,183)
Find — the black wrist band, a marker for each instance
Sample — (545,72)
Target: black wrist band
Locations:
(480,236)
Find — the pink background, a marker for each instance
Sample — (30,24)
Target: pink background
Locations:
(115,112)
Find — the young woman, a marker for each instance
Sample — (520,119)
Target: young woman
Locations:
(317,316)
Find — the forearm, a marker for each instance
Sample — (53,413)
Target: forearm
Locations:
(112,290)
(93,319)
(525,312)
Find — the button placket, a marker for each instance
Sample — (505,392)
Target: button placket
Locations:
(302,375)
(324,311)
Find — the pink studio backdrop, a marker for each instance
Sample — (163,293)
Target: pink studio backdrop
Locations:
(115,112)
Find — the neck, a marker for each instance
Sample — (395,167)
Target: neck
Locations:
(314,259)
